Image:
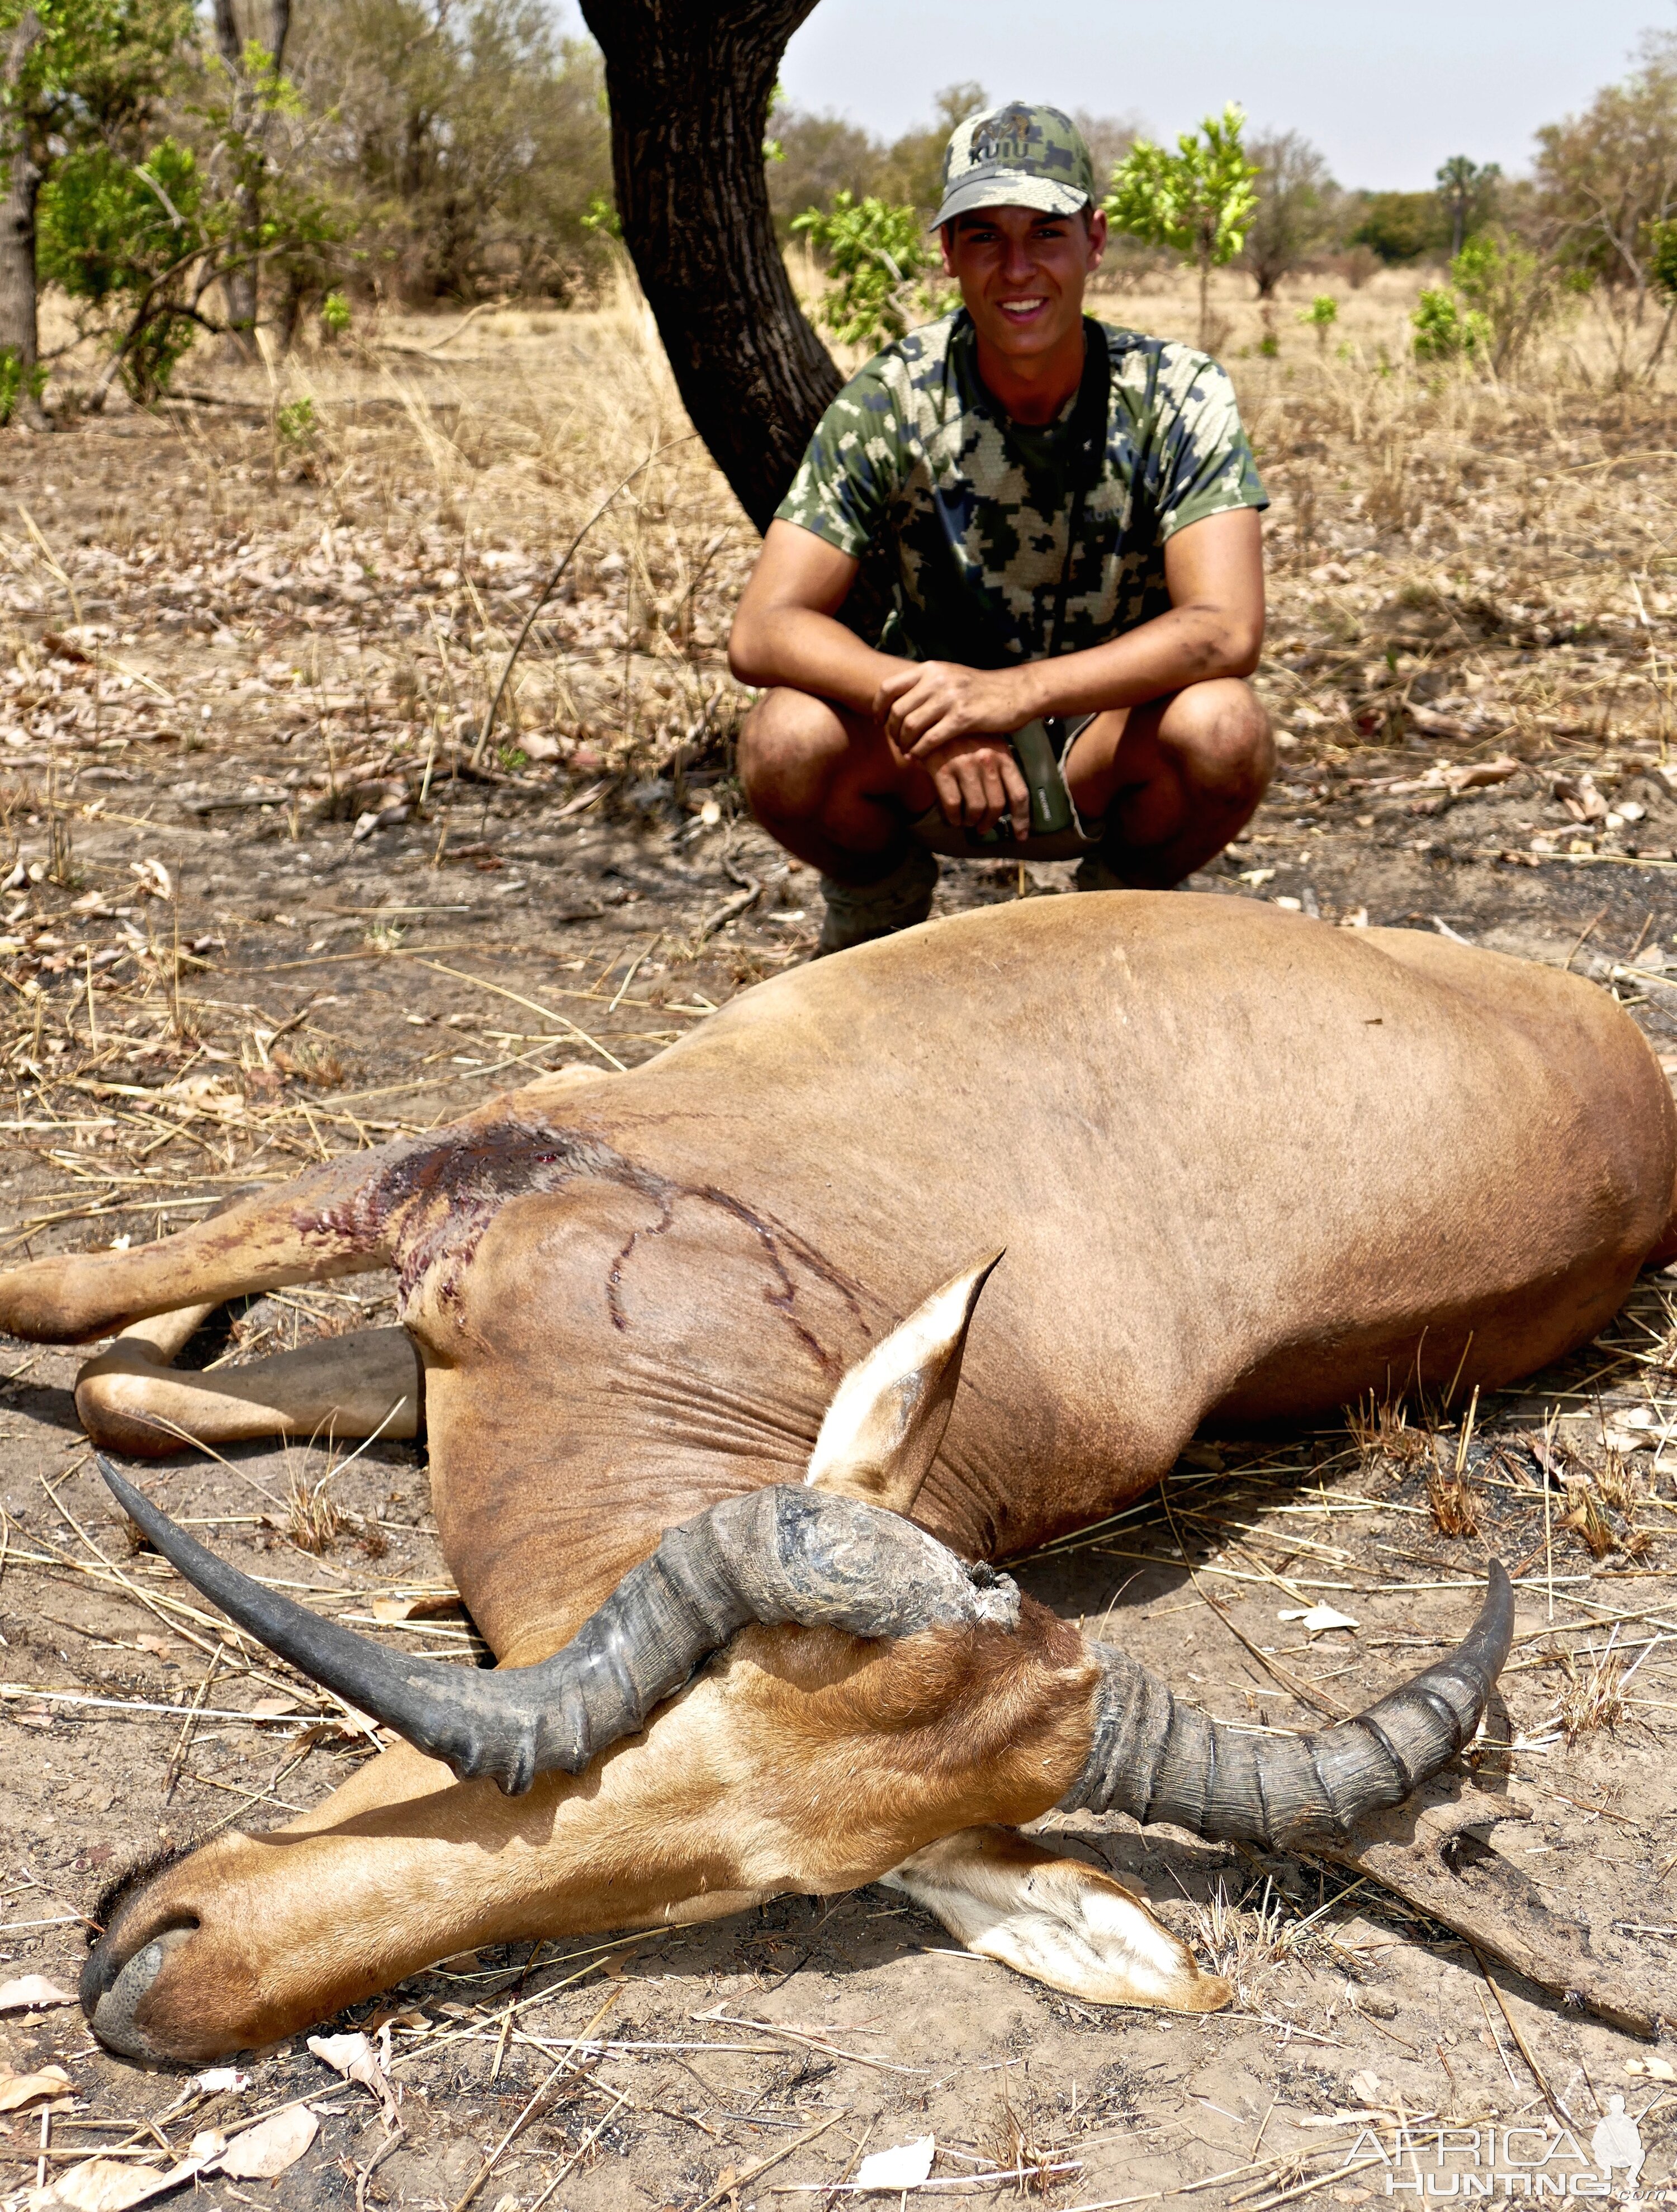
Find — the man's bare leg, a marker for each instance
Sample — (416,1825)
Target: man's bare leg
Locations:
(1175,780)
(829,786)
(832,788)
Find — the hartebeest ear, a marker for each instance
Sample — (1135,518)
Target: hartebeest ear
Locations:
(888,1416)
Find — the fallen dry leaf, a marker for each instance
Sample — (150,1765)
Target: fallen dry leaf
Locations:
(216,2081)
(30,1990)
(109,2185)
(18,2090)
(1457,776)
(428,1607)
(265,2152)
(353,2057)
(1656,2070)
(155,880)
(159,1644)
(904,2166)
(1317,1620)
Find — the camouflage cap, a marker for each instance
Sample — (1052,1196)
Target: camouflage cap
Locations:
(1016,156)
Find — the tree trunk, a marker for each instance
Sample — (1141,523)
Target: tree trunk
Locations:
(689,83)
(241,284)
(18,332)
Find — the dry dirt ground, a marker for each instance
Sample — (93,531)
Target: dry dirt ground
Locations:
(272,895)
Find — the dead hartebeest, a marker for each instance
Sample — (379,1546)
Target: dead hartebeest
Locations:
(1243,1165)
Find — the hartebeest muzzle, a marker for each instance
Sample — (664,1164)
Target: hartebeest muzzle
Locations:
(809,1558)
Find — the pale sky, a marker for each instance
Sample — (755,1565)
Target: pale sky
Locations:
(1387,92)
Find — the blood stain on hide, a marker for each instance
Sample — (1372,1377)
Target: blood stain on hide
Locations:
(440,1194)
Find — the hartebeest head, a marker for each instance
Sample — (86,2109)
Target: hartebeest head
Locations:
(840,1553)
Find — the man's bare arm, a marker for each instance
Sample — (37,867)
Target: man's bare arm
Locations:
(1214,627)
(785,630)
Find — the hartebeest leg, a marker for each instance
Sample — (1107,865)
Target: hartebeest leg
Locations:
(131,1400)
(1056,1920)
(303,1231)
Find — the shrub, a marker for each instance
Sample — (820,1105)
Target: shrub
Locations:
(877,252)
(1445,331)
(107,225)
(13,382)
(1505,295)
(1401,225)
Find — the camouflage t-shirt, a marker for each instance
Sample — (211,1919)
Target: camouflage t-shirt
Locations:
(960,515)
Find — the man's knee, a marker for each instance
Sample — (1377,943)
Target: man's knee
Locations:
(790,745)
(1222,736)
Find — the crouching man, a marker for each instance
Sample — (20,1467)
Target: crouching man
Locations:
(1056,526)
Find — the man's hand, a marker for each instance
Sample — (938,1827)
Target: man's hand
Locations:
(955,722)
(929,703)
(977,781)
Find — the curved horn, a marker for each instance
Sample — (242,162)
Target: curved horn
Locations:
(778,1554)
(1158,1760)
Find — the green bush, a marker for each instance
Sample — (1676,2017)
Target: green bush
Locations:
(1662,258)
(1504,296)
(107,225)
(1445,331)
(110,231)
(600,217)
(12,381)
(877,252)
(335,317)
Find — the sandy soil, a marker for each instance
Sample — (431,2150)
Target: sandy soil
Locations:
(270,906)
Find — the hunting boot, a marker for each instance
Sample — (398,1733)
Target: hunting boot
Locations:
(859,912)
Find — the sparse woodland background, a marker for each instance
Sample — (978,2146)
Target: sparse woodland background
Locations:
(289,168)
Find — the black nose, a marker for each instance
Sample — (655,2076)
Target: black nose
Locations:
(113,1988)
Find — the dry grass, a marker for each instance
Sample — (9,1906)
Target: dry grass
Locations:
(1592,1697)
(1019,2142)
(1585,1518)
(314,1519)
(1384,1437)
(1247,1941)
(1454,1501)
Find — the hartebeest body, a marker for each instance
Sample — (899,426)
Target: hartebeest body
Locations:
(1242,1165)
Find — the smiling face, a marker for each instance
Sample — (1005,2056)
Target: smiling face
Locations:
(1022,274)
